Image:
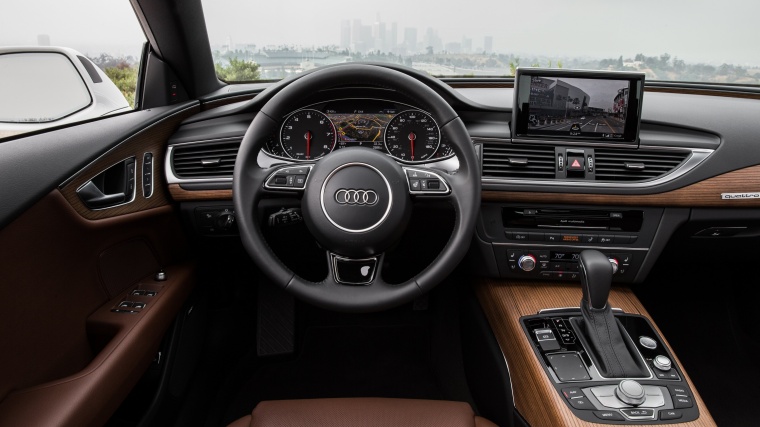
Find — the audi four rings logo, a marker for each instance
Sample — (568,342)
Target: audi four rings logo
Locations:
(356,197)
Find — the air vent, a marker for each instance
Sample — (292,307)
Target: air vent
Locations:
(635,165)
(505,160)
(205,160)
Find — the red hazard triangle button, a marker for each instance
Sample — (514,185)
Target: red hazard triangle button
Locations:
(576,164)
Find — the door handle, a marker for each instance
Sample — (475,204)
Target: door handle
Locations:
(94,198)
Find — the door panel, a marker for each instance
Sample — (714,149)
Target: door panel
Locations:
(69,359)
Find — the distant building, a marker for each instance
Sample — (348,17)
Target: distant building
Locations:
(466,45)
(453,47)
(410,40)
(392,44)
(345,34)
(488,44)
(555,98)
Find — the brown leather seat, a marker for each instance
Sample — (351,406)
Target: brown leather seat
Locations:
(363,412)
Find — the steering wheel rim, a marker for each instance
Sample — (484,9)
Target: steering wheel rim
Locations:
(249,179)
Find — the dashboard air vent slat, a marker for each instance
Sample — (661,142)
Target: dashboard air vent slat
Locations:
(639,165)
(505,160)
(205,160)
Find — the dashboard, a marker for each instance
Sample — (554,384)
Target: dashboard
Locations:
(404,132)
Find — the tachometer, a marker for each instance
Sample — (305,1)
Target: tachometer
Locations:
(307,135)
(412,136)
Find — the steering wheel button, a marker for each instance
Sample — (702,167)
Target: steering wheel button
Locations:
(300,180)
(414,184)
(434,184)
(423,184)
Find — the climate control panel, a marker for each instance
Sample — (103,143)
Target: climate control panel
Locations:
(562,264)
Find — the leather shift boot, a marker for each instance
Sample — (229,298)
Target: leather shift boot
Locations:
(605,340)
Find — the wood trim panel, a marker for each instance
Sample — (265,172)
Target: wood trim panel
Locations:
(179,194)
(151,139)
(504,302)
(701,194)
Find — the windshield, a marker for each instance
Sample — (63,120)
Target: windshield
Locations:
(681,40)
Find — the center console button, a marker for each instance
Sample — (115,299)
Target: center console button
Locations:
(670,414)
(638,413)
(571,238)
(662,363)
(678,390)
(572,392)
(592,238)
(609,415)
(517,235)
(647,342)
(551,237)
(606,239)
(536,237)
(581,403)
(680,402)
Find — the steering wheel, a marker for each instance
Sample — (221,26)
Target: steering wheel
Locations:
(356,201)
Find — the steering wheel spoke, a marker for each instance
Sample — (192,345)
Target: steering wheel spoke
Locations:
(426,182)
(288,178)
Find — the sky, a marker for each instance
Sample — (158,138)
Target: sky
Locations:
(694,30)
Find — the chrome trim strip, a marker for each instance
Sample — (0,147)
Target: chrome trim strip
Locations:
(145,129)
(611,248)
(550,310)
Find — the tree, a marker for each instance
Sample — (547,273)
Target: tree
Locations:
(513,66)
(124,76)
(238,70)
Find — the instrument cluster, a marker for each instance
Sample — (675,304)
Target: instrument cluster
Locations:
(405,133)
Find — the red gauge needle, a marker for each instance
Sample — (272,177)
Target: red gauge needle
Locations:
(412,137)
(308,144)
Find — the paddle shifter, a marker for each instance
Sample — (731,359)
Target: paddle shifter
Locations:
(603,336)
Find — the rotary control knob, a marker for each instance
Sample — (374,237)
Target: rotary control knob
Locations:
(662,363)
(226,221)
(527,262)
(630,392)
(615,265)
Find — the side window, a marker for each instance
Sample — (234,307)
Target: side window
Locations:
(59,66)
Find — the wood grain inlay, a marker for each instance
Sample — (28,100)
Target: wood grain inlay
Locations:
(152,139)
(504,302)
(701,194)
(179,194)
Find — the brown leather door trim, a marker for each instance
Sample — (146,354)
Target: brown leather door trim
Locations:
(90,396)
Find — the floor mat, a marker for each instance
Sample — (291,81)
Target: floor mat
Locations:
(390,361)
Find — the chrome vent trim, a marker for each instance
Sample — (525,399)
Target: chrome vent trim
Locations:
(635,165)
(204,160)
(502,159)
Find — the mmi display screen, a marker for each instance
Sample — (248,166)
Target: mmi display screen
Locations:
(564,104)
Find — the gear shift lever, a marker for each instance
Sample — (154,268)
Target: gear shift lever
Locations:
(601,333)
(596,277)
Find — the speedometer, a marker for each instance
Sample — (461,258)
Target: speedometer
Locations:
(307,135)
(412,136)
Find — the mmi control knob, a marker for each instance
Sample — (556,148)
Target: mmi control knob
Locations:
(630,392)
(527,262)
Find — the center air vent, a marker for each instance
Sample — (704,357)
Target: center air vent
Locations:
(205,160)
(505,160)
(636,165)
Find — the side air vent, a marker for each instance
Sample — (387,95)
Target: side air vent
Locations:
(504,160)
(635,165)
(205,160)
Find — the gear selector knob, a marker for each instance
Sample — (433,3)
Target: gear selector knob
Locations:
(596,277)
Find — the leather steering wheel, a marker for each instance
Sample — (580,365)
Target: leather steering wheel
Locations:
(356,201)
